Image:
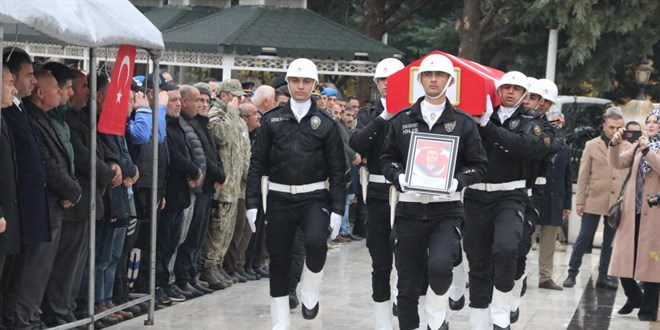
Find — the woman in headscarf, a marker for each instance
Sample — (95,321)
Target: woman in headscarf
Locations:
(636,247)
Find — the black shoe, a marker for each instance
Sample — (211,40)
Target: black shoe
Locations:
(69,318)
(144,307)
(514,315)
(629,306)
(495,327)
(97,325)
(162,299)
(523,290)
(201,288)
(250,271)
(237,276)
(293,300)
(226,277)
(174,296)
(246,275)
(189,288)
(52,321)
(395,310)
(647,317)
(444,326)
(310,314)
(263,271)
(569,282)
(354,238)
(457,305)
(187,294)
(550,285)
(606,283)
(135,310)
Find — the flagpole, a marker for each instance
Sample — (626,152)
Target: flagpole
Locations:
(92,189)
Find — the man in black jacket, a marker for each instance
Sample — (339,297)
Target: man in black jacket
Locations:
(183,174)
(32,197)
(495,209)
(200,209)
(10,221)
(427,226)
(63,188)
(299,147)
(368,139)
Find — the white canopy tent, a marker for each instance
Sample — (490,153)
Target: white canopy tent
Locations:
(94,23)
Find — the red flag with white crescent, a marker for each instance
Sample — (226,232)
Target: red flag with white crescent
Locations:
(115,105)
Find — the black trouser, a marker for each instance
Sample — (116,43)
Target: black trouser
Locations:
(378,242)
(297,260)
(257,241)
(185,267)
(493,228)
(169,234)
(525,244)
(121,288)
(68,268)
(30,271)
(423,247)
(285,215)
(360,226)
(142,200)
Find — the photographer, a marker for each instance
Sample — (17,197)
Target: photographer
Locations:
(636,234)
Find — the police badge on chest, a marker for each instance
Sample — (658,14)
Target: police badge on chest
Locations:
(315,122)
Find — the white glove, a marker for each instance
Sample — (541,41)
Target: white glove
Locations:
(251,215)
(485,118)
(402,181)
(385,115)
(453,187)
(335,223)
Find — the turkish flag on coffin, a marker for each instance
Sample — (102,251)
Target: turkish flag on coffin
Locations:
(115,106)
(473,82)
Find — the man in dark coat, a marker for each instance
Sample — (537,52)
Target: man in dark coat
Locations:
(63,188)
(557,198)
(32,187)
(10,221)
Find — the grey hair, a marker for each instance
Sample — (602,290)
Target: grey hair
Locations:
(262,93)
(613,113)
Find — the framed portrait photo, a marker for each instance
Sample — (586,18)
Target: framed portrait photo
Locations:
(431,162)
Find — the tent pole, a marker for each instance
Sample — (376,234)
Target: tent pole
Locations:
(92,189)
(154,190)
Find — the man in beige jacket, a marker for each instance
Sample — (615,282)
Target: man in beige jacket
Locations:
(598,187)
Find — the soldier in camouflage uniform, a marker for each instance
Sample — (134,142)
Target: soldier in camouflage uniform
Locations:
(232,138)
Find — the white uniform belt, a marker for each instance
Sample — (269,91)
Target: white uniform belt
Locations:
(499,186)
(540,181)
(411,197)
(377,178)
(529,192)
(301,189)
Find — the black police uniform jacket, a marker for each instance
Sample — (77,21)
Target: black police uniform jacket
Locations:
(471,161)
(368,139)
(293,153)
(512,146)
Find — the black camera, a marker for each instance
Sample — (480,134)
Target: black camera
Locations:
(653,200)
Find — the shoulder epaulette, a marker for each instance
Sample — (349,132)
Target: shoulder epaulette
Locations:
(273,110)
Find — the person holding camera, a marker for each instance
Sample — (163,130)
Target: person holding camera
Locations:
(635,250)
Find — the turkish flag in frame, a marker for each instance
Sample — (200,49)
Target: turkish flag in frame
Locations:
(473,82)
(115,105)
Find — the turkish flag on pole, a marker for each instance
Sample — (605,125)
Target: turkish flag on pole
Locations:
(115,106)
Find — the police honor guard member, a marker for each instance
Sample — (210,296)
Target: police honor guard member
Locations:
(299,148)
(494,209)
(426,226)
(536,105)
(368,139)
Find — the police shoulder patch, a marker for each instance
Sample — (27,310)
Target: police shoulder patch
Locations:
(537,129)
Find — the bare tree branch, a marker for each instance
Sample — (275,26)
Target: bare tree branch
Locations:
(406,15)
(496,32)
(490,15)
(391,10)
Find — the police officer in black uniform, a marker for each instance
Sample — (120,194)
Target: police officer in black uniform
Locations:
(494,209)
(299,149)
(427,233)
(368,139)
